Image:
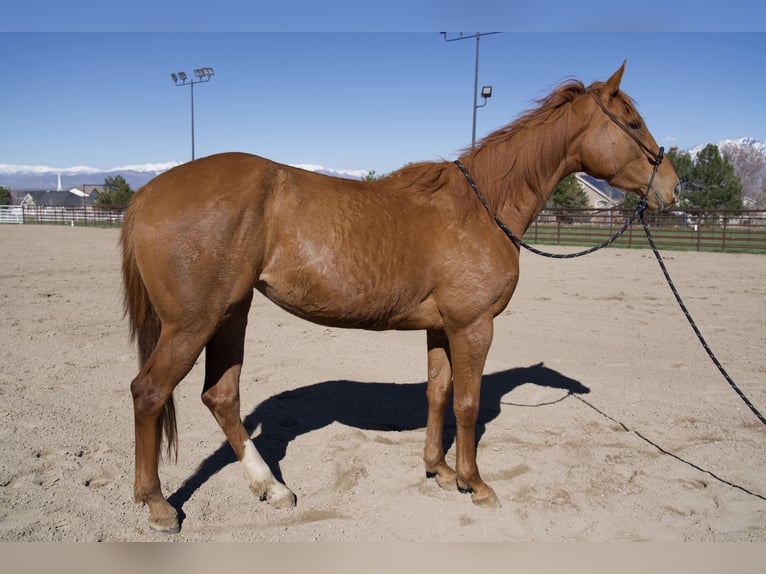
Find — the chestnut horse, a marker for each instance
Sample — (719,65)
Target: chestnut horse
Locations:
(414,250)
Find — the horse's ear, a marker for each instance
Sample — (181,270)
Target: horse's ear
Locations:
(613,84)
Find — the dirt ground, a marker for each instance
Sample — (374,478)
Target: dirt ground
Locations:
(602,417)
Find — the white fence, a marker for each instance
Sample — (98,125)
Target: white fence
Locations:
(61,215)
(11,214)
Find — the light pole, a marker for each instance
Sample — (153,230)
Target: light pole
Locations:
(486,91)
(180,79)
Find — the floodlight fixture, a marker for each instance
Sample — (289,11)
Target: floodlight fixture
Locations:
(486,92)
(203,75)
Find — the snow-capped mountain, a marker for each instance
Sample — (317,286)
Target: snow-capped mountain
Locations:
(752,144)
(345,173)
(40,177)
(29,177)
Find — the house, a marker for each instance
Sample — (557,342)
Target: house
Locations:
(600,194)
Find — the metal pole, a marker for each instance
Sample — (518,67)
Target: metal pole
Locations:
(180,79)
(475,90)
(478,35)
(192,117)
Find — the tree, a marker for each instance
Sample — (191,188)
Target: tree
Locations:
(707,182)
(682,162)
(5,196)
(372,176)
(749,164)
(631,202)
(116,194)
(711,182)
(568,194)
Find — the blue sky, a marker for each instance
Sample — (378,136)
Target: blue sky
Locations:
(343,100)
(391,15)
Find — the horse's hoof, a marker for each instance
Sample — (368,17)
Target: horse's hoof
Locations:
(445,477)
(281,498)
(275,493)
(165,525)
(486,500)
(447,482)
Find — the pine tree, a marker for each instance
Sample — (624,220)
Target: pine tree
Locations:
(116,194)
(711,182)
(682,162)
(568,194)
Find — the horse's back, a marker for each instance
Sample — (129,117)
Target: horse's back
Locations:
(206,181)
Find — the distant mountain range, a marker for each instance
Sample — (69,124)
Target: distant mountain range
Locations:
(26,177)
(752,144)
(44,178)
(39,177)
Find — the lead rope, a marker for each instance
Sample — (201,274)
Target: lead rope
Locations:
(519,241)
(639,213)
(697,332)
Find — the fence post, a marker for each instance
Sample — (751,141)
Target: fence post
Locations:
(699,230)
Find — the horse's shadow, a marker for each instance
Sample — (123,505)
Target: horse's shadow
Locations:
(367,406)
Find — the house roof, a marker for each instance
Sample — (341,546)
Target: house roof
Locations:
(603,188)
(53,198)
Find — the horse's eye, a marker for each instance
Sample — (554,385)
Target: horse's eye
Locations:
(634,125)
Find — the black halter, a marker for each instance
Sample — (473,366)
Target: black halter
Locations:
(654,158)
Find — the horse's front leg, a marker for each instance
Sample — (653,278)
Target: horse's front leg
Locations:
(469,348)
(438,392)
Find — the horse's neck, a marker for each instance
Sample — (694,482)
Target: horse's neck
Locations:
(518,177)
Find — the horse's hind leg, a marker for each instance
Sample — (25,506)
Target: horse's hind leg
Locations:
(438,392)
(223,364)
(169,362)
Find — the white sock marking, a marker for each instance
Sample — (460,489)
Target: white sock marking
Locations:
(257,469)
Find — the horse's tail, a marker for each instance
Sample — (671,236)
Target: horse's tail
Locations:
(145,325)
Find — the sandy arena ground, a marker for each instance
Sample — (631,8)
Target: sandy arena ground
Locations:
(602,417)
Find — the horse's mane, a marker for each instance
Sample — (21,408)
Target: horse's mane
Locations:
(548,109)
(531,148)
(522,147)
(425,174)
(418,177)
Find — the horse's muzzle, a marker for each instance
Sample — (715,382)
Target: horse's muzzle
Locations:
(657,200)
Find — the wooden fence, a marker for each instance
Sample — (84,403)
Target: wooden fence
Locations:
(713,230)
(692,230)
